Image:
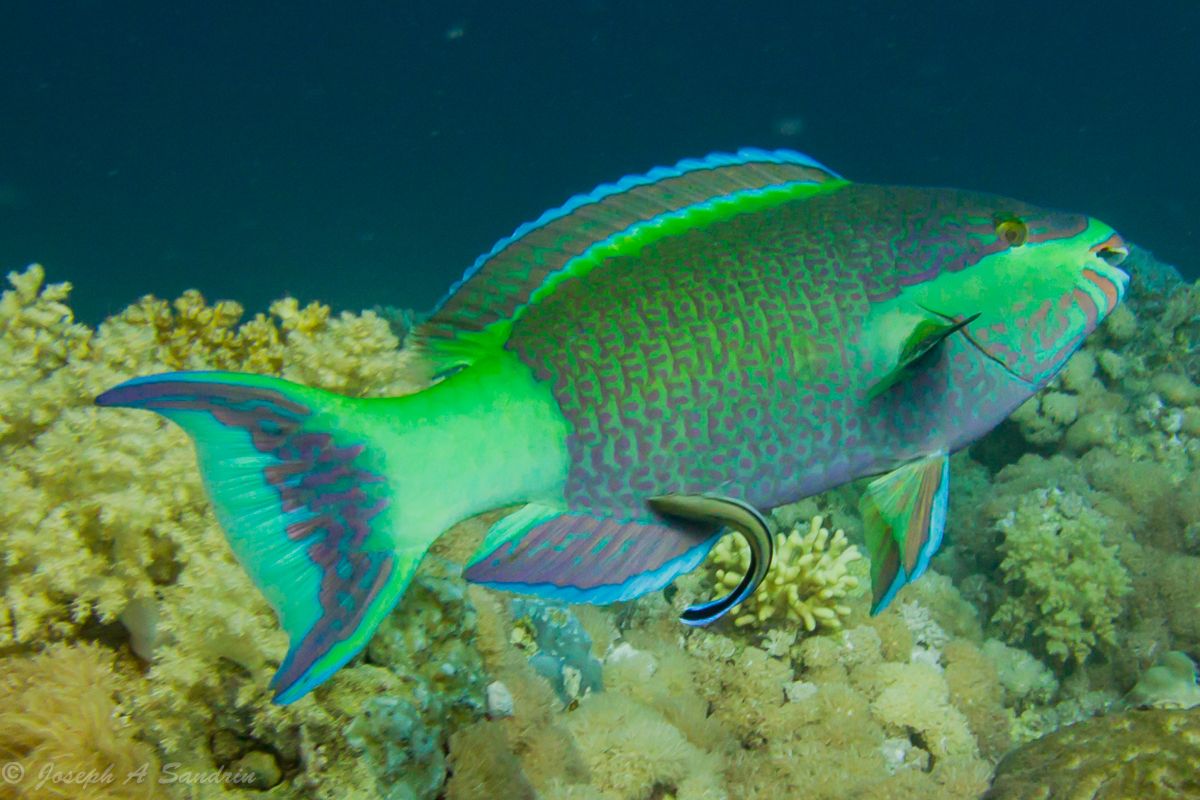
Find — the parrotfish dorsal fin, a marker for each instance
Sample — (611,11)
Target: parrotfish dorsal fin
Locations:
(924,338)
(904,516)
(610,220)
(743,518)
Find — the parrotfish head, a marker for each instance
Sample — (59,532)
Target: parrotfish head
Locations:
(1040,280)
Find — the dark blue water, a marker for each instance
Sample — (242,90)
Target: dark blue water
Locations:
(366,152)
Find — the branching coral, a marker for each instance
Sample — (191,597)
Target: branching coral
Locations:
(353,354)
(38,336)
(807,582)
(1069,584)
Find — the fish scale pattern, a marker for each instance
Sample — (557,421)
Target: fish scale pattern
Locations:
(728,357)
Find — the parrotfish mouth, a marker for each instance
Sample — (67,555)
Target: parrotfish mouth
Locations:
(1112,251)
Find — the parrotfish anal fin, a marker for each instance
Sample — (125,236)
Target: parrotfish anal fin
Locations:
(299,498)
(920,345)
(610,220)
(904,516)
(733,513)
(579,558)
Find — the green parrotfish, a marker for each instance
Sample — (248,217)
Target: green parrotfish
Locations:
(652,362)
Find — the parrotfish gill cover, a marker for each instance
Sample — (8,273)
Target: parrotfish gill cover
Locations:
(648,363)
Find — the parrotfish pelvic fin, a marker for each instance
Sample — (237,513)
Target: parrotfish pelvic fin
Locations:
(921,343)
(904,517)
(732,513)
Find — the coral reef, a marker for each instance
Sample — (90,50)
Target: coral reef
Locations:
(559,648)
(1070,586)
(807,583)
(1136,755)
(426,644)
(107,535)
(113,499)
(62,708)
(1067,583)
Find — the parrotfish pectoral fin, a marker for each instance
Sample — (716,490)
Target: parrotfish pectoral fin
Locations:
(302,493)
(578,558)
(904,516)
(922,341)
(743,518)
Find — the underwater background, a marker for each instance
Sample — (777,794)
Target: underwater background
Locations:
(299,181)
(251,150)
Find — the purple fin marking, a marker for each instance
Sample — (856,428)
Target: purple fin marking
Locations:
(295,504)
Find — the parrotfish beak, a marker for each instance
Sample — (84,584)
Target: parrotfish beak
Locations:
(1113,249)
(1105,273)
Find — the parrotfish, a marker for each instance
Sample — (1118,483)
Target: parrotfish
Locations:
(644,367)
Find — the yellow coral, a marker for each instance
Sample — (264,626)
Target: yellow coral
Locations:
(352,354)
(1070,584)
(38,335)
(59,714)
(105,520)
(807,580)
(630,749)
(103,508)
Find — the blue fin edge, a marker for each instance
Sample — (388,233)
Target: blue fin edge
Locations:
(636,586)
(937,523)
(746,155)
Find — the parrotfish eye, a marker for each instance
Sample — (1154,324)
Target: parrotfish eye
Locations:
(1012,230)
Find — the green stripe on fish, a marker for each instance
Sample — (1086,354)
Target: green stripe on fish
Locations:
(734,332)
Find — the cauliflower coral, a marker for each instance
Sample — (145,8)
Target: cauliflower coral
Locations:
(1069,587)
(807,580)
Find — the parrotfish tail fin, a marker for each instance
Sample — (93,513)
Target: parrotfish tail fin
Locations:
(733,513)
(578,558)
(300,483)
(904,516)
